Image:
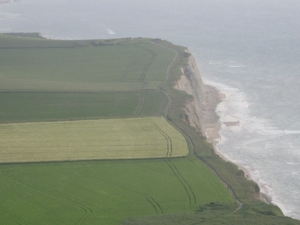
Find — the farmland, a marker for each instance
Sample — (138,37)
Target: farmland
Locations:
(86,68)
(92,100)
(58,106)
(90,140)
(92,132)
(104,192)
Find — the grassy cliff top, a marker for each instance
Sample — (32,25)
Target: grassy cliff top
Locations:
(88,82)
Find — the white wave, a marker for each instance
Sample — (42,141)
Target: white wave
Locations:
(256,145)
(110,31)
(214,63)
(9,16)
(236,66)
(292,131)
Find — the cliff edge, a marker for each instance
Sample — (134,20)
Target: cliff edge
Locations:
(200,111)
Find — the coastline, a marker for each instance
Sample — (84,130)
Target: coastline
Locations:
(201,112)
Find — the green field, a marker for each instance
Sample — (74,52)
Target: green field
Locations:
(105,192)
(90,140)
(132,66)
(57,106)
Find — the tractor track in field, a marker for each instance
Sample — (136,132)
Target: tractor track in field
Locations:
(156,203)
(156,206)
(184,183)
(167,107)
(166,136)
(153,57)
(140,104)
(13,217)
(87,210)
(171,63)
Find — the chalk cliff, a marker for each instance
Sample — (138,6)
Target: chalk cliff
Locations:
(200,112)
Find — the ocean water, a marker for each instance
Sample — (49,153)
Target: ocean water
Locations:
(249,50)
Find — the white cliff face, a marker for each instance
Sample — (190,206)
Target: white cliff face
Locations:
(201,110)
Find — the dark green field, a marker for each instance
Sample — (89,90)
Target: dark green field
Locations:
(54,106)
(52,80)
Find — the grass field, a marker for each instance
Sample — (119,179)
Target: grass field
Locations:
(105,192)
(48,80)
(90,139)
(122,67)
(31,107)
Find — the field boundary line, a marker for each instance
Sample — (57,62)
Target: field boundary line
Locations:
(87,210)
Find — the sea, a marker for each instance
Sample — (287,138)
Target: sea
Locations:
(248,49)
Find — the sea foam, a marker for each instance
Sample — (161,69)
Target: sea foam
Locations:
(256,145)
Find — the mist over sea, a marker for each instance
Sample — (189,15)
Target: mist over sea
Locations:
(249,50)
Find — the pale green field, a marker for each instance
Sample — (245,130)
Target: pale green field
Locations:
(150,137)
